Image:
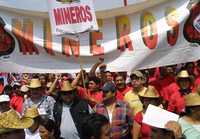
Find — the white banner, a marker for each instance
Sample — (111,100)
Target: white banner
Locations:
(162,35)
(72,16)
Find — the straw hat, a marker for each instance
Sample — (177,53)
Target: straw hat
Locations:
(192,99)
(31,112)
(151,92)
(11,120)
(137,73)
(184,74)
(24,88)
(35,83)
(4,98)
(66,86)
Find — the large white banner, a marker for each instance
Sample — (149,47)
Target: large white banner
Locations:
(162,35)
(72,16)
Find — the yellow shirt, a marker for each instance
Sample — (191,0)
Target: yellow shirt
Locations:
(133,100)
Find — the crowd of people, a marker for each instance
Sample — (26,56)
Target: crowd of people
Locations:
(100,104)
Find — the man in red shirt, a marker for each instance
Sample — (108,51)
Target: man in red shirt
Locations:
(92,92)
(121,86)
(176,91)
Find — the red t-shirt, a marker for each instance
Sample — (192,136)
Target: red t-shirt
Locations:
(145,129)
(121,93)
(1,88)
(16,103)
(196,82)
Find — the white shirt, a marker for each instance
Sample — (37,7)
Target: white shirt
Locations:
(67,127)
(29,135)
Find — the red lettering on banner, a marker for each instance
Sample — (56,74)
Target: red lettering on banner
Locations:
(67,16)
(24,34)
(172,35)
(48,37)
(77,11)
(89,15)
(83,14)
(149,30)
(95,36)
(69,45)
(72,15)
(123,31)
(58,16)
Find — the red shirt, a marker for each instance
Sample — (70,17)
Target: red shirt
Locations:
(1,88)
(145,129)
(164,83)
(196,83)
(176,103)
(97,96)
(121,93)
(16,103)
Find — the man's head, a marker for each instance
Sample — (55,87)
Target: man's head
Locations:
(96,126)
(184,80)
(33,113)
(138,79)
(150,96)
(36,90)
(67,92)
(94,83)
(43,80)
(120,81)
(109,76)
(109,91)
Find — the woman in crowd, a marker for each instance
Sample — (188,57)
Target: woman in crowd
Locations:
(47,128)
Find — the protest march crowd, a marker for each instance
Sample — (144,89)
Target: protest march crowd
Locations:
(100,104)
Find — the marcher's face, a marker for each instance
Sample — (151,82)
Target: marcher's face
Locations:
(107,96)
(67,97)
(44,133)
(92,86)
(184,83)
(109,77)
(98,74)
(136,82)
(4,106)
(120,82)
(147,101)
(105,132)
(36,93)
(42,80)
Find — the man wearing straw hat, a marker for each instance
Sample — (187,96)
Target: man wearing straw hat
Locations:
(37,98)
(178,90)
(12,126)
(69,111)
(33,131)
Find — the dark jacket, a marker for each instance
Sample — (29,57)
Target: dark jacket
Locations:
(78,110)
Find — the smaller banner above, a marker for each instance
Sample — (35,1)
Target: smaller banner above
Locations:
(72,16)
